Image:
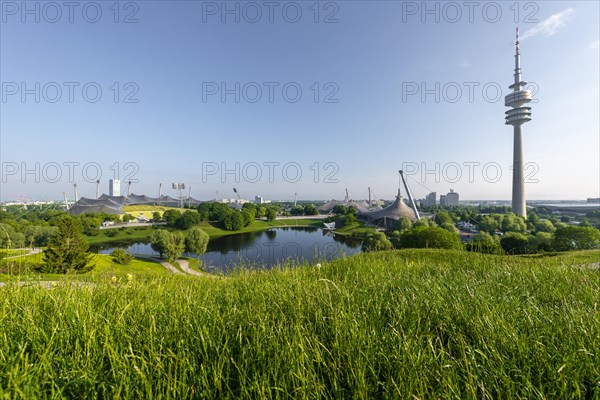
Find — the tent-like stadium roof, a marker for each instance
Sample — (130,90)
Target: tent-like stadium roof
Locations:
(394,211)
(361,206)
(102,205)
(114,204)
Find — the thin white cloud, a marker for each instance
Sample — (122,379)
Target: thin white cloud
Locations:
(595,45)
(550,25)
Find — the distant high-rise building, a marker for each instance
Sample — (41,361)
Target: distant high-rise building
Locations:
(452,198)
(442,200)
(430,199)
(259,199)
(114,187)
(517,116)
(449,199)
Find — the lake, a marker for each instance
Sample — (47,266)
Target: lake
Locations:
(264,249)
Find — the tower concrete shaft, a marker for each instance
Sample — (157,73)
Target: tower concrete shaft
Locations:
(518,186)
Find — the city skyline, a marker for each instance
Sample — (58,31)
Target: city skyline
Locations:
(386,87)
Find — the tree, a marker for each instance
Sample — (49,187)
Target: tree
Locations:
(156,216)
(488,224)
(297,210)
(261,212)
(233,221)
(515,243)
(196,241)
(544,225)
(271,214)
(128,217)
(159,241)
(404,223)
(450,227)
(483,242)
(310,209)
(423,223)
(67,249)
(576,238)
(248,216)
(121,256)
(430,237)
(376,241)
(442,217)
(542,241)
(171,216)
(187,220)
(175,246)
(513,223)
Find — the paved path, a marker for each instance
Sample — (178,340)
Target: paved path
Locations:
(165,264)
(132,225)
(185,266)
(29,252)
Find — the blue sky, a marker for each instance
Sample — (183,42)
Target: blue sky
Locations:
(168,121)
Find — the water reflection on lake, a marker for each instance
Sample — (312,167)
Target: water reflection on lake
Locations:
(265,249)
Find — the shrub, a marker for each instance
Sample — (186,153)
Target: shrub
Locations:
(515,243)
(576,238)
(376,241)
(122,257)
(430,237)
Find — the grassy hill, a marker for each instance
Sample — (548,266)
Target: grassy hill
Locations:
(403,324)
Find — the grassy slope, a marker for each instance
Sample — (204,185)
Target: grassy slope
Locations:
(422,323)
(104,269)
(147,211)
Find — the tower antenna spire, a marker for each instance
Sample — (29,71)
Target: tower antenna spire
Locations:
(518,52)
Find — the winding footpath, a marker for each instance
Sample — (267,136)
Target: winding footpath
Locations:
(29,252)
(165,264)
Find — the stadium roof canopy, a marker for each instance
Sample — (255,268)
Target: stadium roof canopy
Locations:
(361,206)
(114,204)
(394,211)
(105,205)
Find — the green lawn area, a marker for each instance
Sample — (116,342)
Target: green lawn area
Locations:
(147,211)
(131,234)
(104,269)
(423,324)
(357,230)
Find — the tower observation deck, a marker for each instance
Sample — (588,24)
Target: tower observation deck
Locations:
(517,116)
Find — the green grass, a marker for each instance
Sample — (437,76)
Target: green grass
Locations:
(129,235)
(357,230)
(147,211)
(11,253)
(24,269)
(404,324)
